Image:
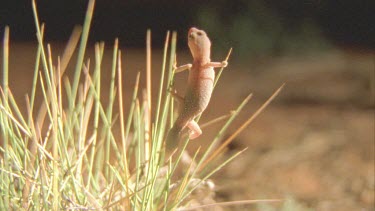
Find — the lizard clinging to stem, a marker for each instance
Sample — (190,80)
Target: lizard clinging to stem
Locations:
(199,90)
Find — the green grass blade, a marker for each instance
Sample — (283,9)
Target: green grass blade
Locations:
(99,48)
(36,72)
(81,51)
(6,62)
(162,75)
(4,121)
(222,131)
(110,106)
(216,169)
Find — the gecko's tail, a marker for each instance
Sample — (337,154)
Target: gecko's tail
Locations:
(173,138)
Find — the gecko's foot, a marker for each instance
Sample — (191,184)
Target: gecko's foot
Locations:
(175,63)
(195,130)
(172,91)
(224,63)
(194,134)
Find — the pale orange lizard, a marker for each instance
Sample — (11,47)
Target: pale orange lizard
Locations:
(199,90)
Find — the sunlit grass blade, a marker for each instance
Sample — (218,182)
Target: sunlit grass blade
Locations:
(99,48)
(36,70)
(110,106)
(4,121)
(185,181)
(220,134)
(216,169)
(122,123)
(81,51)
(221,70)
(148,99)
(161,83)
(130,115)
(170,80)
(242,127)
(230,203)
(15,121)
(70,48)
(5,81)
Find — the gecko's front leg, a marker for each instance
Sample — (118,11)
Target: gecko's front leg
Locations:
(217,64)
(182,67)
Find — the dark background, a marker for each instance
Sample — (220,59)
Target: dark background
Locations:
(273,27)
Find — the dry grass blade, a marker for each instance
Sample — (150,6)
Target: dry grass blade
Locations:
(70,47)
(148,75)
(211,122)
(82,50)
(28,133)
(148,108)
(242,127)
(5,60)
(216,120)
(221,70)
(122,118)
(68,53)
(230,203)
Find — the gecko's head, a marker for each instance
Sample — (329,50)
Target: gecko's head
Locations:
(199,43)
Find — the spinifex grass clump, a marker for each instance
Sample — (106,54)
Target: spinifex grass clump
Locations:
(63,153)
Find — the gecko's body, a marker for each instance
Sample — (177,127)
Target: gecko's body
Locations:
(200,87)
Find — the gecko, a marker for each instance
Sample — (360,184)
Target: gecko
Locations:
(199,89)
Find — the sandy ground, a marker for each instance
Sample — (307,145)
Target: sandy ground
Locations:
(314,143)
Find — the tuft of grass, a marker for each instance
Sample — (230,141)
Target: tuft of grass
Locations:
(67,157)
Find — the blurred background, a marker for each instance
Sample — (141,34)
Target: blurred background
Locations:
(314,143)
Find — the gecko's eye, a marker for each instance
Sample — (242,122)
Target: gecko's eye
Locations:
(199,33)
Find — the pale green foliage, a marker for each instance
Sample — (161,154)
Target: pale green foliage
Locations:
(63,153)
(67,156)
